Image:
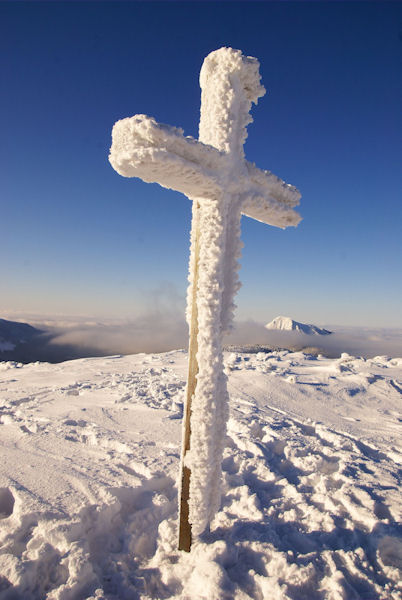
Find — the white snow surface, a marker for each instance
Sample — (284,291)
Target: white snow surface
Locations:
(311,503)
(288,324)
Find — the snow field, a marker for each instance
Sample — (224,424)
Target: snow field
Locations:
(311,491)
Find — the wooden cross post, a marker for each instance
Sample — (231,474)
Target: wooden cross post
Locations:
(213,173)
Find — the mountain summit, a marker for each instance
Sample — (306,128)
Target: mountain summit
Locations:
(288,324)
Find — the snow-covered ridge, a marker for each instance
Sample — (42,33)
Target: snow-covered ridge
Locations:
(288,324)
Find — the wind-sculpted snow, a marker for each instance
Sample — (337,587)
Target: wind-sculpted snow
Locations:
(311,504)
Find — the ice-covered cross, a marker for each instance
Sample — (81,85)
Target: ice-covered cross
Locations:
(213,173)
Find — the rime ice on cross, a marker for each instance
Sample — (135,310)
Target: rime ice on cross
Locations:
(214,174)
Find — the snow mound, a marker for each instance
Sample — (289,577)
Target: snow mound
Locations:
(288,324)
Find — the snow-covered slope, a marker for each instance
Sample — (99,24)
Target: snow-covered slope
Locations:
(288,324)
(311,508)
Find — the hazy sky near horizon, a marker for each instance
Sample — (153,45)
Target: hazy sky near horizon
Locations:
(77,238)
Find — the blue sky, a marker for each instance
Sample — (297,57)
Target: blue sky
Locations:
(76,238)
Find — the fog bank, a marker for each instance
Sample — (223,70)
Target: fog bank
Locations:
(66,338)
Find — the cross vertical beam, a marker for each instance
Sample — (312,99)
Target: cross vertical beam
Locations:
(229,84)
(213,172)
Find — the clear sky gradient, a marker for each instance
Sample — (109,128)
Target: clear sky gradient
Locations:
(76,238)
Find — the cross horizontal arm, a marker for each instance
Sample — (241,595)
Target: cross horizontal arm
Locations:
(268,199)
(158,153)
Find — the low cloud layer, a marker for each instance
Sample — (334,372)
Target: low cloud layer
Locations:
(354,341)
(148,333)
(163,328)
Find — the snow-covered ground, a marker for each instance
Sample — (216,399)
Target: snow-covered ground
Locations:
(311,509)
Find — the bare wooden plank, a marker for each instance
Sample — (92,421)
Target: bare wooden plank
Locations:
(184,523)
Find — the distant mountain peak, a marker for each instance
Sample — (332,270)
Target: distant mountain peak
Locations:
(288,324)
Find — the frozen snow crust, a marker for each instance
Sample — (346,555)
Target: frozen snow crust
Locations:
(311,481)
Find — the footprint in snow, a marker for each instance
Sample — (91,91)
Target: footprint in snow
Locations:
(6,503)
